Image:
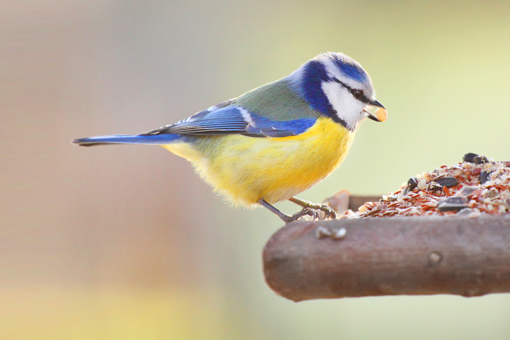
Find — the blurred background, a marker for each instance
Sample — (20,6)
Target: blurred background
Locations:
(128,243)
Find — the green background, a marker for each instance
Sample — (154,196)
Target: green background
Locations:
(128,243)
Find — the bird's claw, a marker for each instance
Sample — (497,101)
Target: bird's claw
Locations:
(329,213)
(304,212)
(316,212)
(324,211)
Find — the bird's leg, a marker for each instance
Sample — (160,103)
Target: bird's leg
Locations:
(328,211)
(288,218)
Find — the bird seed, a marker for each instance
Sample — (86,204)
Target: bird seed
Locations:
(476,186)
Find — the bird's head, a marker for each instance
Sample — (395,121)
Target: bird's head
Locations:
(338,86)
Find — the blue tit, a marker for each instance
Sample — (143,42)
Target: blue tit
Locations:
(275,141)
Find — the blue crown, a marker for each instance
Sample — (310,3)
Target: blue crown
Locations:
(348,66)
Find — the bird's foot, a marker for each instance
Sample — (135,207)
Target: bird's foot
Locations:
(322,209)
(304,212)
(315,211)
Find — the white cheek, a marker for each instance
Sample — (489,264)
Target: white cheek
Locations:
(346,106)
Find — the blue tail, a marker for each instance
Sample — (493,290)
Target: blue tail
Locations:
(128,139)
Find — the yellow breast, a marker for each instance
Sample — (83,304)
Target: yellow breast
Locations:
(246,169)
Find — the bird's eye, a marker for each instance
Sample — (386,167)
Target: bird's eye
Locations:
(357,94)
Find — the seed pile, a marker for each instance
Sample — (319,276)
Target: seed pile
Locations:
(473,187)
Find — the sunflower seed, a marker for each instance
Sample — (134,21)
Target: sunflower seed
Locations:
(447,181)
(467,190)
(469,157)
(412,183)
(480,160)
(452,203)
(485,176)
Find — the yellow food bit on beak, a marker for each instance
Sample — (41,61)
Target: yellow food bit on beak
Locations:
(381,114)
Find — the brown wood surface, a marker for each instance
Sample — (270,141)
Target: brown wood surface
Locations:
(391,256)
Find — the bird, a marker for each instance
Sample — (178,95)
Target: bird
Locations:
(277,140)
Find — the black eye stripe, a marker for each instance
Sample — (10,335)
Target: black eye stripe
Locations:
(358,94)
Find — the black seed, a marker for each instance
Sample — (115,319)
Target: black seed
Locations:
(452,203)
(485,176)
(412,183)
(447,181)
(469,157)
(480,160)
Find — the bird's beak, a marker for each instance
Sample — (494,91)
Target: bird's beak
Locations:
(380,114)
(378,104)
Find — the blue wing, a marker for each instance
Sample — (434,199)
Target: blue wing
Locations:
(226,119)
(223,119)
